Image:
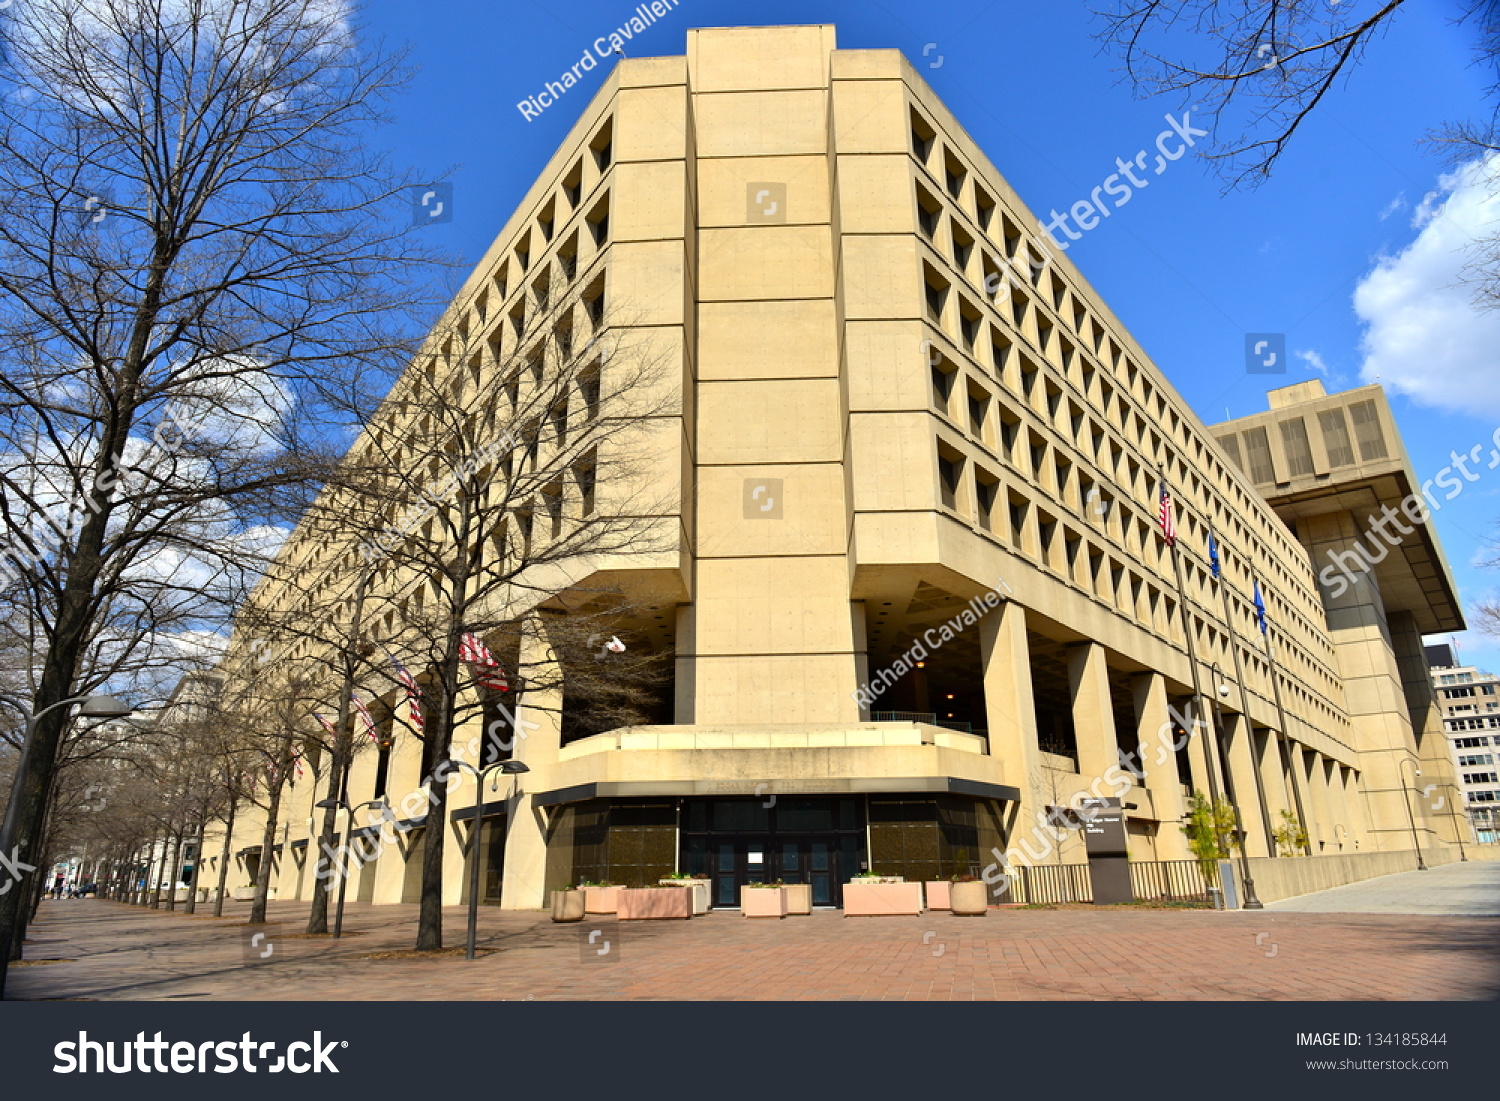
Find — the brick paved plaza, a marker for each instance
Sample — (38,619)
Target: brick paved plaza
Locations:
(116,952)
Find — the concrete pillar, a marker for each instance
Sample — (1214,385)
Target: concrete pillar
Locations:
(1240,767)
(1006,658)
(539,717)
(1154,737)
(1320,829)
(1374,689)
(1093,711)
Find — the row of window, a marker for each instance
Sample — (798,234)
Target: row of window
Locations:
(1251,448)
(1037,328)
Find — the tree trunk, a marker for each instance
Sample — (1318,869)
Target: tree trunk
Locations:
(224,860)
(176,873)
(267,855)
(192,899)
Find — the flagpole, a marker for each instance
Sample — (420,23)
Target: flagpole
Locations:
(1252,902)
(1265,636)
(1244,705)
(1187,633)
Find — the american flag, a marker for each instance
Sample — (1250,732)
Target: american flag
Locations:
(413,693)
(328,726)
(364,713)
(487,671)
(297,760)
(1166,516)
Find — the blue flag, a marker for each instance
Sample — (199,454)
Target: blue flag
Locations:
(1260,609)
(1213,555)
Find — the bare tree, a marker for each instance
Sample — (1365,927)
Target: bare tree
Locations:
(482,503)
(1260,68)
(201,269)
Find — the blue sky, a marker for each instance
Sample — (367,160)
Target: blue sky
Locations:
(1190,270)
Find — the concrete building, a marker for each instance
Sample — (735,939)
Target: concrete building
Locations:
(917,595)
(1469,703)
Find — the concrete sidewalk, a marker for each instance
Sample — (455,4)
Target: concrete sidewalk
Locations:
(1467,889)
(109,951)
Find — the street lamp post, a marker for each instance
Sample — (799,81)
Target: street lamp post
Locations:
(1458,826)
(509,768)
(1220,690)
(1411,818)
(338,919)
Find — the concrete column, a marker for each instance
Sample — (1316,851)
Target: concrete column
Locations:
(1320,813)
(539,717)
(1375,691)
(1154,737)
(1240,766)
(1006,659)
(1093,711)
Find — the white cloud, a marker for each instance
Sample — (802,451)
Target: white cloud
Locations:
(1424,336)
(1395,206)
(1313,360)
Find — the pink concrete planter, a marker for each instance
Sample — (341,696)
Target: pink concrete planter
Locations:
(937,894)
(970,899)
(763,902)
(601,900)
(698,888)
(637,903)
(798,898)
(882,899)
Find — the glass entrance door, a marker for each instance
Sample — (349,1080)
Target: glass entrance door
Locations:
(810,860)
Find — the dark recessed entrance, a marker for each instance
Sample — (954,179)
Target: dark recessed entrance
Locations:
(818,841)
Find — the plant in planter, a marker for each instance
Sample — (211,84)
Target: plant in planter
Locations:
(763,900)
(567,904)
(968,896)
(697,886)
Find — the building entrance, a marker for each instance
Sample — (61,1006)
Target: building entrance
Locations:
(734,842)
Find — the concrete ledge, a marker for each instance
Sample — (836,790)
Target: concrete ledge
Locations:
(1289,876)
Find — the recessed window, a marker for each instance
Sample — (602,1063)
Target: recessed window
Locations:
(954,174)
(922,137)
(598,222)
(572,185)
(984,208)
(929,212)
(603,146)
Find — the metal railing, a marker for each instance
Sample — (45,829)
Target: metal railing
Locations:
(1150,881)
(928,717)
(1169,881)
